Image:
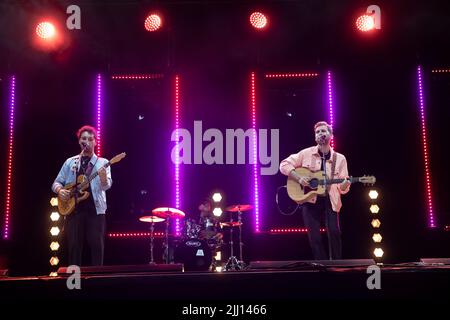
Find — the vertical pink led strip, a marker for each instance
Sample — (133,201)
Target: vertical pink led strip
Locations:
(99,115)
(330,102)
(10,157)
(177,151)
(255,151)
(431,218)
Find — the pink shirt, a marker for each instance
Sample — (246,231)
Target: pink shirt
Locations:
(309,158)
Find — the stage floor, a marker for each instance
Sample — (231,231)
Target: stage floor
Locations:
(264,282)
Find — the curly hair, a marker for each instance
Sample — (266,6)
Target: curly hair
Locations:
(89,129)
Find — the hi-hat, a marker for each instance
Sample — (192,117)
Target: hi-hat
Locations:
(166,212)
(239,207)
(151,219)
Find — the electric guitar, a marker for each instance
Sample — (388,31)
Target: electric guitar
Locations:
(78,191)
(317,184)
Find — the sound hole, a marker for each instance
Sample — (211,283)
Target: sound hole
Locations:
(313,183)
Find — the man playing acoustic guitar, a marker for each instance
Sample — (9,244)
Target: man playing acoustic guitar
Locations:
(88,218)
(327,207)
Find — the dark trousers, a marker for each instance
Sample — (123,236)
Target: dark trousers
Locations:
(313,214)
(85,224)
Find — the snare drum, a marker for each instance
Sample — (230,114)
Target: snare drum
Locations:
(195,254)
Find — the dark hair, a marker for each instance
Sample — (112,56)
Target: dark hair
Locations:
(207,201)
(89,129)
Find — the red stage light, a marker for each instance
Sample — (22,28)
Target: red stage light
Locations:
(153,22)
(258,20)
(365,23)
(45,30)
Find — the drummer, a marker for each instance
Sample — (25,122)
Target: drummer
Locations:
(209,223)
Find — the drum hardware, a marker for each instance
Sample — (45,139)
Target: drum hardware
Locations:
(167,213)
(233,263)
(152,220)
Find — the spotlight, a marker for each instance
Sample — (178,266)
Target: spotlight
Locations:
(54,231)
(373,194)
(217,197)
(376,223)
(374,209)
(258,20)
(217,212)
(152,22)
(378,252)
(365,23)
(218,256)
(45,30)
(54,216)
(377,237)
(54,202)
(49,35)
(54,261)
(54,246)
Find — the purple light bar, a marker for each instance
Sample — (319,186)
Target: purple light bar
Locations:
(137,76)
(330,102)
(291,75)
(177,150)
(12,104)
(255,151)
(431,218)
(99,114)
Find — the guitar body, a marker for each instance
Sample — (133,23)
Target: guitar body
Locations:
(301,194)
(66,207)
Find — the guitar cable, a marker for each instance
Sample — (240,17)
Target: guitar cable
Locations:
(278,206)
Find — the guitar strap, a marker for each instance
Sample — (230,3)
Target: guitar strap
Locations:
(333,167)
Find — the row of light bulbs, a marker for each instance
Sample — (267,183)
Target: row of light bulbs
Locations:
(376,223)
(54,232)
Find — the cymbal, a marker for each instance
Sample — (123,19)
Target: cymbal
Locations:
(151,219)
(166,212)
(231,224)
(239,207)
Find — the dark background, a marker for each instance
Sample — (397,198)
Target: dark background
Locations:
(211,46)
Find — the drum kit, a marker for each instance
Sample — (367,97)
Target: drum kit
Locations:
(198,243)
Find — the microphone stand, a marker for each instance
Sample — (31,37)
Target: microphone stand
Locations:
(76,176)
(324,159)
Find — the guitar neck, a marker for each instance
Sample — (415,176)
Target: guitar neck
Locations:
(92,176)
(334,181)
(95,174)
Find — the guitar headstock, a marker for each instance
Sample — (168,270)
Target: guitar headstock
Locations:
(368,180)
(118,158)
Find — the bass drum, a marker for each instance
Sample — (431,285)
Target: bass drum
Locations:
(195,254)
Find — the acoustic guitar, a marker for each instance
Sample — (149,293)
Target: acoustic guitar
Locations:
(317,185)
(78,191)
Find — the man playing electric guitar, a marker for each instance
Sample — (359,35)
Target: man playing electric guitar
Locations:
(88,218)
(327,207)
